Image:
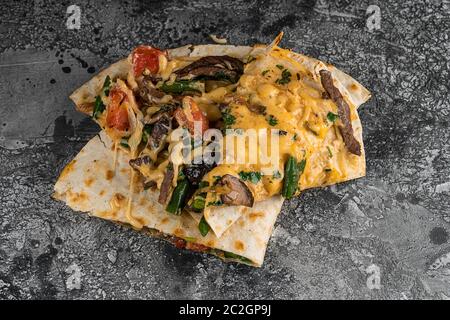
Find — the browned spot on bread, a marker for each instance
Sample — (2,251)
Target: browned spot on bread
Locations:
(353,87)
(109,174)
(239,245)
(78,197)
(118,200)
(142,202)
(102,192)
(87,107)
(164,220)
(88,182)
(69,168)
(140,220)
(178,232)
(254,215)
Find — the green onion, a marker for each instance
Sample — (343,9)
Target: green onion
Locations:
(99,107)
(180,86)
(265,72)
(198,204)
(106,85)
(292,172)
(231,255)
(203,227)
(178,197)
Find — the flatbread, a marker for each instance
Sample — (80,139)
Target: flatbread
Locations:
(88,185)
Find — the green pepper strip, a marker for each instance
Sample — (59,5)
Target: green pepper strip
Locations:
(292,173)
(178,197)
(180,86)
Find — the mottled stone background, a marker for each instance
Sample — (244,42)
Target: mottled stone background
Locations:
(326,244)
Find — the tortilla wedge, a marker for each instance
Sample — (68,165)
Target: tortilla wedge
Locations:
(87,183)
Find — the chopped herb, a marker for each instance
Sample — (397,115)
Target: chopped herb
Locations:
(146,132)
(285,77)
(107,85)
(203,184)
(332,117)
(228,118)
(203,227)
(217,179)
(294,137)
(327,170)
(280,66)
(330,154)
(215,203)
(276,174)
(282,132)
(252,176)
(99,107)
(298,76)
(190,239)
(124,143)
(272,120)
(265,72)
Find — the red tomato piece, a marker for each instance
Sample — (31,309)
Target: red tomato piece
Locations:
(191,114)
(146,57)
(117,116)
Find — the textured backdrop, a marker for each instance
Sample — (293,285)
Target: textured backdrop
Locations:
(392,225)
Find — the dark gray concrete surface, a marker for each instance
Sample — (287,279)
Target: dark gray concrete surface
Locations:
(328,243)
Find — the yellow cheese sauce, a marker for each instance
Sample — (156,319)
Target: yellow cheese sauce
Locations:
(299,110)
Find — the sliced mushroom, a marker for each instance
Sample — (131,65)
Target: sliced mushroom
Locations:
(160,130)
(138,162)
(346,129)
(195,172)
(213,67)
(238,194)
(147,91)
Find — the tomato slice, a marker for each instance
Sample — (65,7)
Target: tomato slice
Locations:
(146,57)
(117,115)
(190,115)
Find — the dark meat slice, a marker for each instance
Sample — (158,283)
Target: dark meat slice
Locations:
(195,172)
(215,67)
(166,185)
(353,145)
(238,194)
(138,162)
(160,130)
